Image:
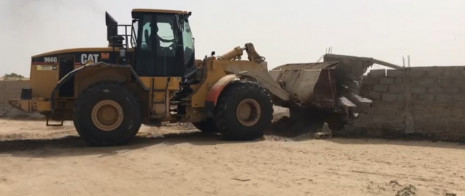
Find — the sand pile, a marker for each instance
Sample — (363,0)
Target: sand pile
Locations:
(298,122)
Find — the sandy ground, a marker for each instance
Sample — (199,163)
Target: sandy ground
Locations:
(179,160)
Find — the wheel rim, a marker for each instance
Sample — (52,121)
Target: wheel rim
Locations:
(248,112)
(107,115)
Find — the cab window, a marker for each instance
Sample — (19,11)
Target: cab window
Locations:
(188,42)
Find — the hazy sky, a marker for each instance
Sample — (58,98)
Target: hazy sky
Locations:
(432,32)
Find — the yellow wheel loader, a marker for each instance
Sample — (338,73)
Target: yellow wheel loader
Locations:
(148,74)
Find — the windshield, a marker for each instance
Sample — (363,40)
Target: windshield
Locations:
(135,26)
(188,41)
(146,32)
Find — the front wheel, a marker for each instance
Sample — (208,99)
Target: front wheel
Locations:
(244,111)
(107,114)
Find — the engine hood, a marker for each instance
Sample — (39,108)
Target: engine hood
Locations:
(82,55)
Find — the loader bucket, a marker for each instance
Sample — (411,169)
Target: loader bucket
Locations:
(309,84)
(350,71)
(323,85)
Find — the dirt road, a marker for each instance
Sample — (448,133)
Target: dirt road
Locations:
(39,160)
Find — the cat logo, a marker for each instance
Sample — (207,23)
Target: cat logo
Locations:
(89,58)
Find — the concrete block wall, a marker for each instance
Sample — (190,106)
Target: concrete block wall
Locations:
(424,100)
(9,90)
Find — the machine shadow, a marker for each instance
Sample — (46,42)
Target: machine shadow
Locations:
(75,146)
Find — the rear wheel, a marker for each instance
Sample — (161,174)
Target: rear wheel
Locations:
(107,114)
(244,111)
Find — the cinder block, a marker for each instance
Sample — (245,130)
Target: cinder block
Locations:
(362,122)
(394,127)
(395,89)
(365,89)
(435,89)
(459,104)
(423,97)
(401,98)
(418,89)
(374,95)
(386,81)
(417,74)
(431,108)
(458,112)
(425,82)
(400,81)
(453,135)
(366,86)
(449,81)
(387,121)
(380,88)
(457,125)
(460,80)
(392,73)
(389,97)
(449,112)
(458,83)
(368,80)
(435,73)
(424,112)
(459,97)
(453,73)
(452,90)
(443,98)
(427,69)
(377,73)
(379,118)
(429,125)
(384,107)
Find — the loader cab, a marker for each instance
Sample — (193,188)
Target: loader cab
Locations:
(164,43)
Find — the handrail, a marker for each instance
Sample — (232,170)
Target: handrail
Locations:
(129,37)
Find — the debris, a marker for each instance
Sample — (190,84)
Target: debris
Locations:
(242,180)
(394,183)
(325,132)
(407,191)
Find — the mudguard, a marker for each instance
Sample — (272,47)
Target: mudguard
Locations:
(217,88)
(80,69)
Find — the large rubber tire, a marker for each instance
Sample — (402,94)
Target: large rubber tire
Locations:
(207,126)
(237,125)
(107,114)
